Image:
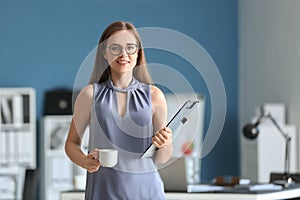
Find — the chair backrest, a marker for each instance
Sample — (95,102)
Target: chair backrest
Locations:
(30,189)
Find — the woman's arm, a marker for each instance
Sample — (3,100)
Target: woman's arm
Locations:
(162,138)
(80,121)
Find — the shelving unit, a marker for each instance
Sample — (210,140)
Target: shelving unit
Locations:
(17,139)
(57,171)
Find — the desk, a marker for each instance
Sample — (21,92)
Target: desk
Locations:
(275,195)
(285,194)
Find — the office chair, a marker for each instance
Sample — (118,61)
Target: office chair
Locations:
(30,189)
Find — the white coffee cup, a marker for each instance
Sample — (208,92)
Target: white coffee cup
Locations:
(108,157)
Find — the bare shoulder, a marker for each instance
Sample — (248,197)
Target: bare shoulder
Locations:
(86,94)
(88,91)
(157,96)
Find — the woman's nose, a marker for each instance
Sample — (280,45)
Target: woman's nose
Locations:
(123,52)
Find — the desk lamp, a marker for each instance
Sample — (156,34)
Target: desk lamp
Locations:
(251,131)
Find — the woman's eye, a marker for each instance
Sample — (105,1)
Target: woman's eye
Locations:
(130,47)
(115,48)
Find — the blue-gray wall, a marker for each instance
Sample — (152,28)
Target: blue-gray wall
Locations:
(43,43)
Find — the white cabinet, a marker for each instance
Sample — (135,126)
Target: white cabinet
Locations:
(57,171)
(17,139)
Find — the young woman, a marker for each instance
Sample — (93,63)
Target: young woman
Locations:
(124,112)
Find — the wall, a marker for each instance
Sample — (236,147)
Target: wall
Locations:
(44,43)
(269,60)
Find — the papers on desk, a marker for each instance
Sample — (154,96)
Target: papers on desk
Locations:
(263,187)
(235,189)
(204,188)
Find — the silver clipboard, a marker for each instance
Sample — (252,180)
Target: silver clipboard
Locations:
(181,117)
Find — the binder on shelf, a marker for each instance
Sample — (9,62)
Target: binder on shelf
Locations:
(17,108)
(26,108)
(11,146)
(20,143)
(6,115)
(3,147)
(27,145)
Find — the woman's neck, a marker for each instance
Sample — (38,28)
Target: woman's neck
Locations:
(121,81)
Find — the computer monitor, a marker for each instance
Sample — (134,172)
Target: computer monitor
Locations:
(174,175)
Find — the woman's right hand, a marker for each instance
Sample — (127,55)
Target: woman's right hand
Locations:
(91,162)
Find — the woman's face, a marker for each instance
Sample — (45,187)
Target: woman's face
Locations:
(121,52)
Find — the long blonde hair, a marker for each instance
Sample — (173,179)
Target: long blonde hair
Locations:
(101,71)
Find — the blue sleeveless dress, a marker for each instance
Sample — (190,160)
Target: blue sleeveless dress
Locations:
(132,178)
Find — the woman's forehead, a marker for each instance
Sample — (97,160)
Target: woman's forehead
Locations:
(122,37)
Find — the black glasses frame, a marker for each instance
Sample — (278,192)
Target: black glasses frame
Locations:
(121,49)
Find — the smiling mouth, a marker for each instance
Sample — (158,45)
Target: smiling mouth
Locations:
(122,62)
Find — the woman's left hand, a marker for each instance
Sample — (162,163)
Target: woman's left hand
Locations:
(162,137)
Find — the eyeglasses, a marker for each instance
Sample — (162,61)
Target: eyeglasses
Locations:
(116,49)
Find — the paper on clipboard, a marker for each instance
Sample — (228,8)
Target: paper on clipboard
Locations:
(179,118)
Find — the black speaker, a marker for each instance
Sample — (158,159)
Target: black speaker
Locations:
(58,102)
